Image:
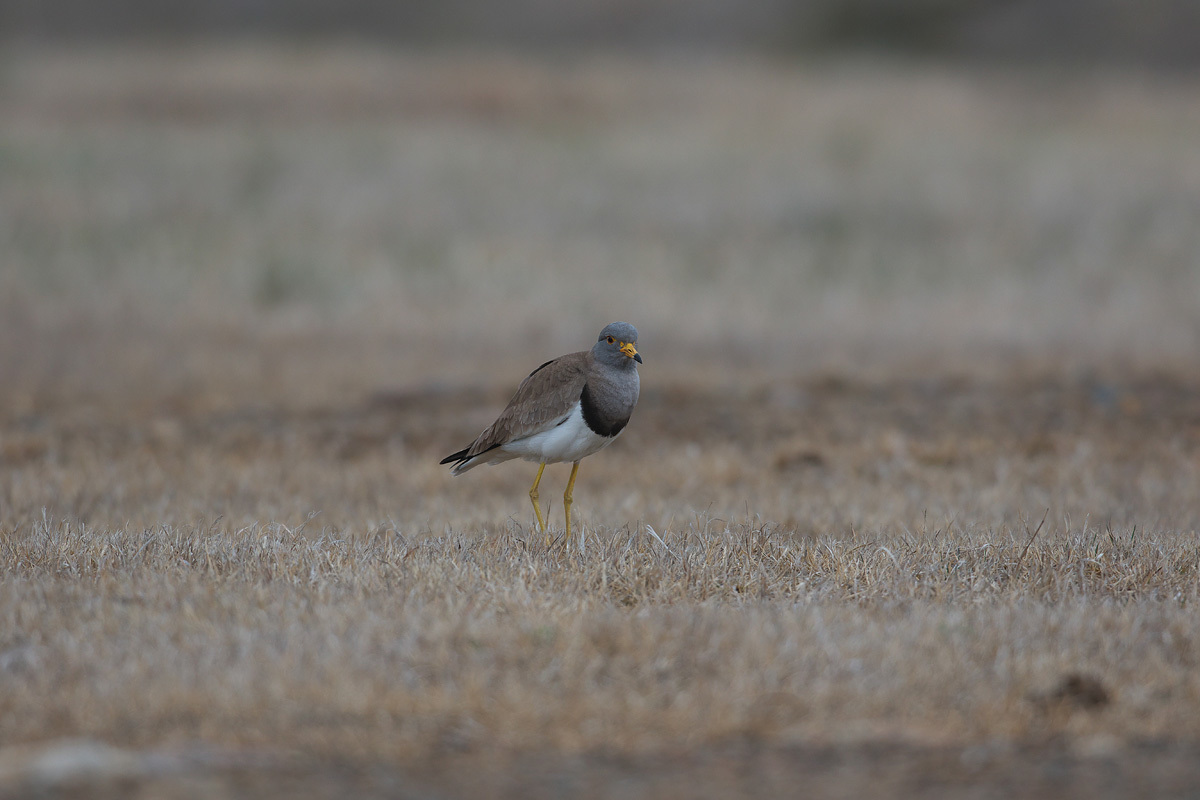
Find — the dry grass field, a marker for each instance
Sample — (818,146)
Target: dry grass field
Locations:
(909,505)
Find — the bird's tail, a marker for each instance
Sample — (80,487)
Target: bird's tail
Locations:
(460,457)
(464,459)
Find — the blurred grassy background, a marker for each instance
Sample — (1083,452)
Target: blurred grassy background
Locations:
(1164,33)
(745,214)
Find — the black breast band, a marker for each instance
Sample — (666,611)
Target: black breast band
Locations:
(595,420)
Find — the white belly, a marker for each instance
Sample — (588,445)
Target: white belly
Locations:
(570,441)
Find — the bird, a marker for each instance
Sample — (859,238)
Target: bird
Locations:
(565,410)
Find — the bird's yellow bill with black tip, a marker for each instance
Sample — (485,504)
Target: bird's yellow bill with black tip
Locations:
(628,349)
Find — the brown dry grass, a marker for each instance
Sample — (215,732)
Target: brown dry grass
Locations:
(908,505)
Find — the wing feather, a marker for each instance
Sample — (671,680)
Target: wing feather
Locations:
(544,399)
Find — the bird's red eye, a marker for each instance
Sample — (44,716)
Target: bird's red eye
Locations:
(611,340)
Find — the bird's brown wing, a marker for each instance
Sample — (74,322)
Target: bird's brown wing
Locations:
(543,400)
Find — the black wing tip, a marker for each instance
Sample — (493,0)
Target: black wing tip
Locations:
(465,455)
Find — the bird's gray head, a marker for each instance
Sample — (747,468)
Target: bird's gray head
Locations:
(617,345)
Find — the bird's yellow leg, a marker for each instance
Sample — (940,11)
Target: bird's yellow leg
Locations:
(567,498)
(533,495)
